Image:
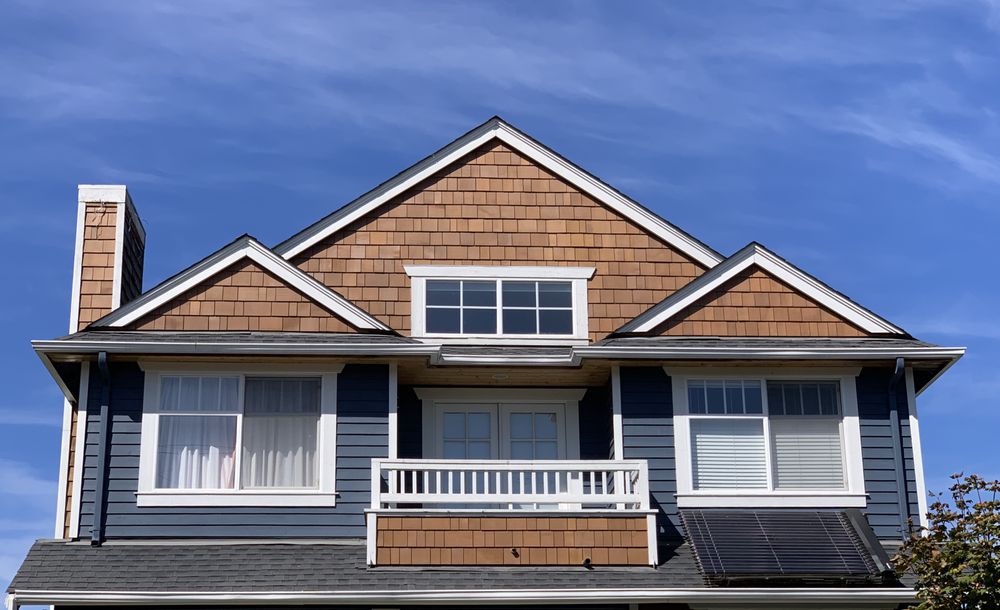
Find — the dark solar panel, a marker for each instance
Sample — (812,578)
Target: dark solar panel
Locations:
(779,544)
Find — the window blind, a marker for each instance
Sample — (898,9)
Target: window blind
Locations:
(807,453)
(729,453)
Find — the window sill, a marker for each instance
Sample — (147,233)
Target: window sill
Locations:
(771,499)
(236,498)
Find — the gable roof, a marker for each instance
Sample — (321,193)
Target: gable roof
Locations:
(244,247)
(756,254)
(497,128)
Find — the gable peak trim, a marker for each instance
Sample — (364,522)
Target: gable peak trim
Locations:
(755,254)
(497,128)
(245,247)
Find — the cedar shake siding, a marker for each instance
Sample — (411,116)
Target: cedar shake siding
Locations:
(511,541)
(495,207)
(755,304)
(362,434)
(243,298)
(97,269)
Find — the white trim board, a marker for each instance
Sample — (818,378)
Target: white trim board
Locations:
(80,450)
(245,247)
(756,254)
(740,596)
(497,128)
(918,454)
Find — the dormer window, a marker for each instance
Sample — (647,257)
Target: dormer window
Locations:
(522,303)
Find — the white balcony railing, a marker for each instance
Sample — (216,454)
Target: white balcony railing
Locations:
(558,485)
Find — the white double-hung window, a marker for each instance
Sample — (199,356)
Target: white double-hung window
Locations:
(238,438)
(769,440)
(535,303)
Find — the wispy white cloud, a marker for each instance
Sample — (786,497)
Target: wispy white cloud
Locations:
(29,416)
(19,482)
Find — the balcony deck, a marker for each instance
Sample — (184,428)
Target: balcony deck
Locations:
(510,512)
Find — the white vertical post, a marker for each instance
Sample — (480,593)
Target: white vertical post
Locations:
(393,412)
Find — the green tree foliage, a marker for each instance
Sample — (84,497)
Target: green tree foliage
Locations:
(956,559)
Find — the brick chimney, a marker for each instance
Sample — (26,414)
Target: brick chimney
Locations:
(110,245)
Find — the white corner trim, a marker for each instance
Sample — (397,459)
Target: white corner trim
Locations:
(393,411)
(853,495)
(323,496)
(915,442)
(561,167)
(119,263)
(797,279)
(80,450)
(493,272)
(618,429)
(253,250)
(74,303)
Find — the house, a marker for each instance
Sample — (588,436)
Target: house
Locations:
(493,380)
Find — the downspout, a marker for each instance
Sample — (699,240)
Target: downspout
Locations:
(897,450)
(97,527)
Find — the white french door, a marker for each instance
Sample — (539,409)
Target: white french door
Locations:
(506,431)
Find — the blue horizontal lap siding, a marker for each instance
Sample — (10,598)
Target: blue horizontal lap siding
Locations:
(362,433)
(877,452)
(648,434)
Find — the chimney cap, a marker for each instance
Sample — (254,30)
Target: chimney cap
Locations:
(103,193)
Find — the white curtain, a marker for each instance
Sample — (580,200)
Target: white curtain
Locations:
(280,433)
(279,451)
(196,452)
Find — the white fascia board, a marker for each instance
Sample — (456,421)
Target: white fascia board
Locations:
(757,255)
(895,595)
(500,272)
(818,353)
(259,254)
(42,348)
(531,149)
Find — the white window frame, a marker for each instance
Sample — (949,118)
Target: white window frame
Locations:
(851,496)
(577,276)
(323,495)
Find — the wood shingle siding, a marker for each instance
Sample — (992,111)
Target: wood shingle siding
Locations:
(98,263)
(243,298)
(362,433)
(754,304)
(496,207)
(514,541)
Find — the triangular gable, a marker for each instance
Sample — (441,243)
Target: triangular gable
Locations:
(497,128)
(755,293)
(243,286)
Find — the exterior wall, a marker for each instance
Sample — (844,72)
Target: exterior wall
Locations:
(133,255)
(494,540)
(362,433)
(496,207)
(647,428)
(243,298)
(97,271)
(876,448)
(755,304)
(648,434)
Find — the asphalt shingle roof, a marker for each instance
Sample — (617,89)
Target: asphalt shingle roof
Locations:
(185,566)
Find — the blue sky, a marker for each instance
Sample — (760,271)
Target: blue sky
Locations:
(858,139)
